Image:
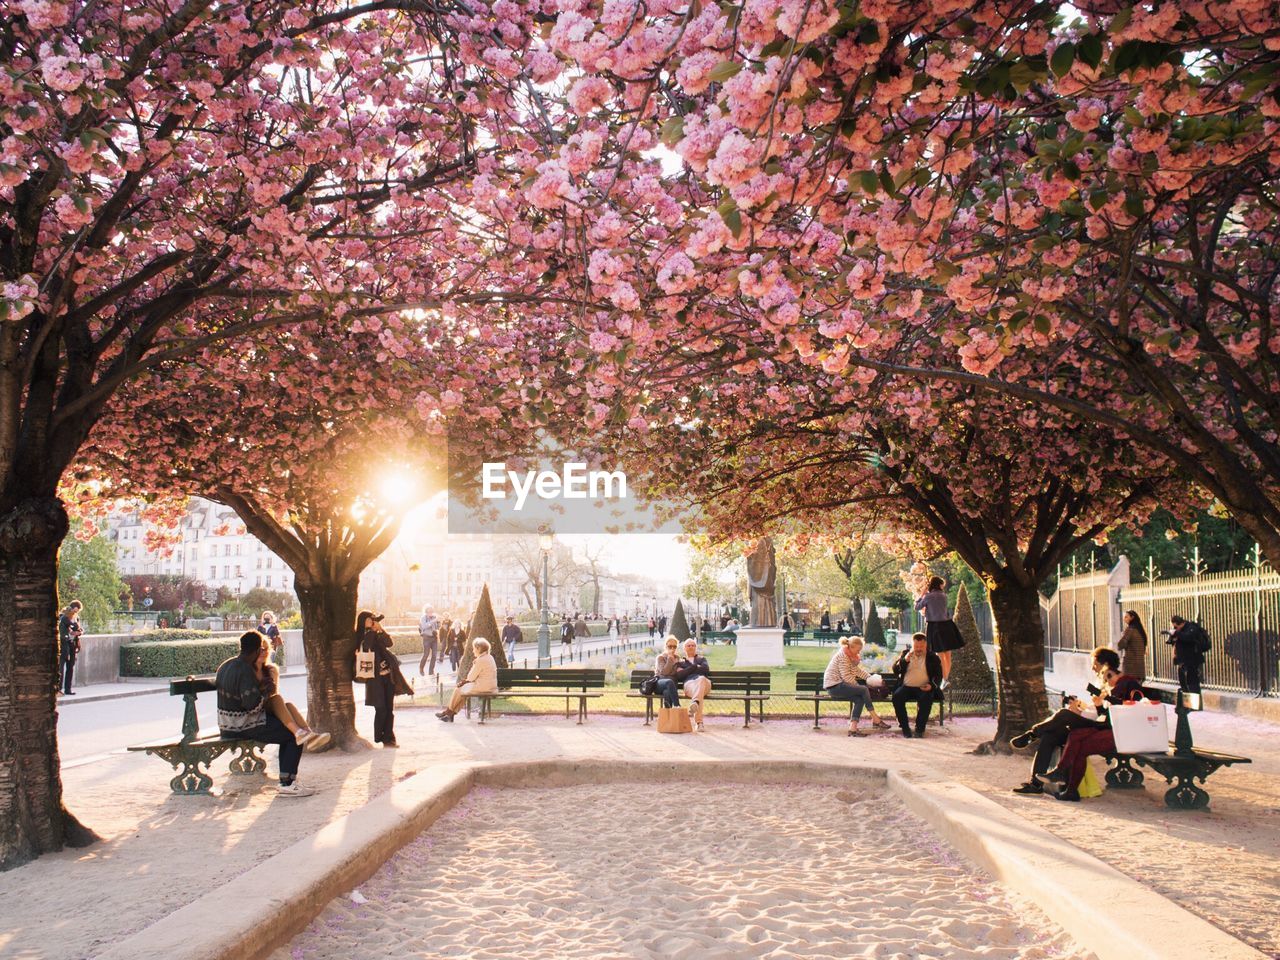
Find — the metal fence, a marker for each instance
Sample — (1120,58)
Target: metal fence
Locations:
(1240,609)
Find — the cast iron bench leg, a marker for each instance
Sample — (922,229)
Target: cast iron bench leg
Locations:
(247,760)
(1186,795)
(1124,775)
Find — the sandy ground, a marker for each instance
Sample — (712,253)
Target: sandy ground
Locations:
(699,870)
(162,851)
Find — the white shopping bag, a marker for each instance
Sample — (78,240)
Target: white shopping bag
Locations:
(1141,727)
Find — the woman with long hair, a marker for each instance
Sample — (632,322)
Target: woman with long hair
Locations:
(939,628)
(380,691)
(1133,646)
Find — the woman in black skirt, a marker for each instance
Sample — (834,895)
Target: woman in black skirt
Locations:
(938,626)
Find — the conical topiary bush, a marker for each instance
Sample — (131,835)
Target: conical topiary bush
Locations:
(875,629)
(970,671)
(679,626)
(483,624)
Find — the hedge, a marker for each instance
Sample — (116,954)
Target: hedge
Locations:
(170,634)
(176,658)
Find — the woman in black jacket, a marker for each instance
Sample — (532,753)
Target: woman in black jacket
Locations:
(380,692)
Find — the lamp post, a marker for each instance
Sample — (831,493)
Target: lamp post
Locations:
(544,629)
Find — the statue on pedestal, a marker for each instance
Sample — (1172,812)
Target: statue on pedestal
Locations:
(762,573)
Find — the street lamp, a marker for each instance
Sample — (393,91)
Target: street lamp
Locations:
(544,629)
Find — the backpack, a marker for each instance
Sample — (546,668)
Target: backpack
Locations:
(1203,643)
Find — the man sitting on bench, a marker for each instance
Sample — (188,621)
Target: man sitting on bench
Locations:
(242,713)
(1097,737)
(1050,734)
(919,674)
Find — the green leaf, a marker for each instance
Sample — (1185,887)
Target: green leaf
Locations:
(886,181)
(1090,49)
(1042,325)
(724,70)
(673,131)
(1062,59)
(1121,20)
(731,216)
(870,183)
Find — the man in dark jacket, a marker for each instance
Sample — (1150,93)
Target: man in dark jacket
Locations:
(1187,639)
(511,635)
(919,674)
(242,713)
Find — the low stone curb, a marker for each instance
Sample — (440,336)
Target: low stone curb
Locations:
(263,909)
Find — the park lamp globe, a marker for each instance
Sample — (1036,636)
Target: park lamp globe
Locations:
(545,540)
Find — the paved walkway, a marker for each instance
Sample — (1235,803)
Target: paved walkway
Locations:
(161,851)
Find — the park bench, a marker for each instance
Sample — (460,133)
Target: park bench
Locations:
(192,750)
(792,636)
(749,686)
(724,636)
(809,687)
(1184,761)
(571,683)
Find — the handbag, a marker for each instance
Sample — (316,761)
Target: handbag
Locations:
(649,686)
(1089,785)
(365,665)
(674,720)
(1141,727)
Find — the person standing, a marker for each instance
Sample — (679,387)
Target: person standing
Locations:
(653,627)
(457,640)
(429,631)
(566,631)
(268,628)
(511,635)
(69,631)
(825,622)
(380,691)
(1133,647)
(942,633)
(1189,642)
(919,673)
(662,624)
(580,629)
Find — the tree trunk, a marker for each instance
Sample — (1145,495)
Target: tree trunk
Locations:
(1019,640)
(328,637)
(32,818)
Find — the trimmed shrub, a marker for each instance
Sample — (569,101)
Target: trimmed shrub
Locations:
(679,626)
(483,624)
(169,635)
(875,629)
(969,668)
(176,658)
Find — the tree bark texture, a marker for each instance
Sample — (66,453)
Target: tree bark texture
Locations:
(328,637)
(33,819)
(1019,642)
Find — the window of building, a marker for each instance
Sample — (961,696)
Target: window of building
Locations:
(268,579)
(238,573)
(213,573)
(226,571)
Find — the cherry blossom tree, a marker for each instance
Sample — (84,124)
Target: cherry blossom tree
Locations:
(173,176)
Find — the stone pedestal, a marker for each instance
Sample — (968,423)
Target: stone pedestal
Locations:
(759,647)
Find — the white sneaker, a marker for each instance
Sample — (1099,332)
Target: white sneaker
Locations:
(294,789)
(693,709)
(317,741)
(303,736)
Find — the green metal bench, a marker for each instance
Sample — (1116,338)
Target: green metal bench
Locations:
(192,750)
(1184,761)
(809,687)
(724,636)
(571,683)
(749,686)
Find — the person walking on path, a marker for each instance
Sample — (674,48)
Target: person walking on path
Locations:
(511,635)
(457,637)
(1189,642)
(942,633)
(845,679)
(69,631)
(268,628)
(566,632)
(919,673)
(387,681)
(481,678)
(1133,646)
(429,631)
(243,715)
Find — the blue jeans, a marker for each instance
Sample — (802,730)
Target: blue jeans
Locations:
(856,693)
(670,692)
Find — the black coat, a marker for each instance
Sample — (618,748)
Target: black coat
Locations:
(387,680)
(932,666)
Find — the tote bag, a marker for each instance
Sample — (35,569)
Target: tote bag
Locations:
(364,664)
(1141,727)
(673,720)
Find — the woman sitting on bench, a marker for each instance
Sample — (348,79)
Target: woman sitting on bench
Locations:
(845,679)
(482,678)
(285,712)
